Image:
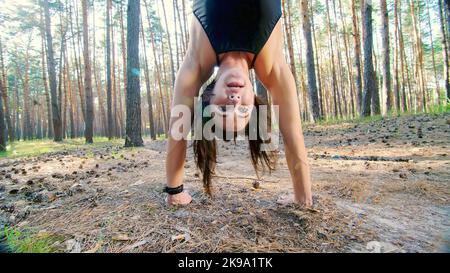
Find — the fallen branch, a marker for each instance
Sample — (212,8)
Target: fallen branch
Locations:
(362,158)
(246,178)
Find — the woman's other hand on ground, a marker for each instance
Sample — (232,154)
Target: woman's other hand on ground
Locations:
(285,200)
(182,199)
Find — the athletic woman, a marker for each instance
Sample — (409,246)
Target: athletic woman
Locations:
(236,36)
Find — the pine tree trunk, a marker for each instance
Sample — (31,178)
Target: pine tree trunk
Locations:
(418,53)
(310,65)
(396,59)
(124,47)
(98,85)
(77,55)
(436,79)
(336,101)
(357,62)
(110,128)
(133,124)
(2,124)
(286,12)
(157,68)
(176,35)
(319,78)
(69,95)
(403,64)
(445,46)
(369,72)
(18,132)
(340,75)
(386,65)
(182,29)
(172,69)
(89,119)
(116,114)
(350,80)
(56,116)
(148,87)
(24,77)
(4,90)
(44,79)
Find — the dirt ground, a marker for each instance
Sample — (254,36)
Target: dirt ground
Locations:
(380,186)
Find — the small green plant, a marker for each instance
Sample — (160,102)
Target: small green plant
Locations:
(26,242)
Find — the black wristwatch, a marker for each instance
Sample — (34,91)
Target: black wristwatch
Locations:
(173,191)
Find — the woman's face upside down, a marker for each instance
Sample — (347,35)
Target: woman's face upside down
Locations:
(233,98)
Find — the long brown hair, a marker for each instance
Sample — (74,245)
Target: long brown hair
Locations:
(205,151)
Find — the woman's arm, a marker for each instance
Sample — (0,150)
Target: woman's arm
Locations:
(188,81)
(273,71)
(281,84)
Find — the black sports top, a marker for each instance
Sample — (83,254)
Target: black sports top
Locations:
(237,25)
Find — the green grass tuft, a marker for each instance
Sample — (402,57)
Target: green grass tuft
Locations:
(26,242)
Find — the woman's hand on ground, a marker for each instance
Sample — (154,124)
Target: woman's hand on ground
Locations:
(182,199)
(285,200)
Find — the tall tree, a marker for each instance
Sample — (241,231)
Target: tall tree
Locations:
(310,65)
(163,111)
(419,58)
(288,30)
(172,68)
(108,71)
(370,86)
(386,65)
(317,54)
(23,74)
(357,53)
(148,87)
(133,133)
(349,67)
(2,125)
(396,59)
(445,46)
(4,91)
(89,119)
(335,92)
(44,78)
(56,116)
(433,59)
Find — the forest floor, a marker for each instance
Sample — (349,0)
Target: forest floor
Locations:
(379,186)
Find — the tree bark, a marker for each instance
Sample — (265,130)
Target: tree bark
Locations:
(357,62)
(386,65)
(369,72)
(2,125)
(157,68)
(310,65)
(148,87)
(396,59)
(110,128)
(335,94)
(133,125)
(172,69)
(319,78)
(89,119)
(433,59)
(445,46)
(57,124)
(4,90)
(418,53)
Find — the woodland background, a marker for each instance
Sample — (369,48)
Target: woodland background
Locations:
(63,65)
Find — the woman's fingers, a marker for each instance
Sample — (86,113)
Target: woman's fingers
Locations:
(285,200)
(289,199)
(181,199)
